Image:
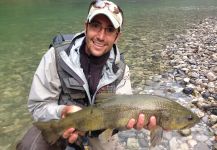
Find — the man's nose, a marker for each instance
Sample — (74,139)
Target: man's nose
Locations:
(102,33)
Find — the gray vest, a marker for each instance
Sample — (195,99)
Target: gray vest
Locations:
(72,85)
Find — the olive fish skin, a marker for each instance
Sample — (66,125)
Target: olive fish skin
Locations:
(115,112)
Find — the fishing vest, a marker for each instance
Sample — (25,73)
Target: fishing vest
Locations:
(73,92)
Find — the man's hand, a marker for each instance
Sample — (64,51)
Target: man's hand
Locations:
(139,124)
(71,134)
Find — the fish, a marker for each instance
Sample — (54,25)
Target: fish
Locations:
(115,111)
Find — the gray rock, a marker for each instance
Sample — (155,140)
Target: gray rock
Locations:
(132,143)
(173,144)
(211,76)
(185,132)
(188,90)
(201,146)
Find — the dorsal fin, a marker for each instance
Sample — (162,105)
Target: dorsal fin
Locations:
(103,97)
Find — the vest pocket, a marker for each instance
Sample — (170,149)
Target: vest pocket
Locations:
(74,89)
(71,83)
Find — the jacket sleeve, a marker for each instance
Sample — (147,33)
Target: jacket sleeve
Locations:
(124,87)
(45,90)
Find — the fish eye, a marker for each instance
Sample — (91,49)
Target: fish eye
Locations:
(190,118)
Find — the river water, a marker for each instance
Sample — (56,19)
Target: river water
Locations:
(28,26)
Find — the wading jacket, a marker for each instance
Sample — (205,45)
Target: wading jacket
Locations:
(59,80)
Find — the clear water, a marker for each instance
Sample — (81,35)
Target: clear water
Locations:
(28,26)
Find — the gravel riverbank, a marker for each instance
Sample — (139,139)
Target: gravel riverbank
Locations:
(192,81)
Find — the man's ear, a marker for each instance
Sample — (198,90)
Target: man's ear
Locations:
(117,37)
(85,27)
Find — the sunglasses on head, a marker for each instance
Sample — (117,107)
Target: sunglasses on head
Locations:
(102,4)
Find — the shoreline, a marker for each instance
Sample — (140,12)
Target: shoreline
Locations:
(192,81)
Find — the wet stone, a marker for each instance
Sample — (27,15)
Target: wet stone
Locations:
(184,146)
(188,90)
(132,143)
(185,132)
(213,110)
(206,95)
(201,146)
(192,142)
(173,143)
(214,96)
(211,76)
(202,138)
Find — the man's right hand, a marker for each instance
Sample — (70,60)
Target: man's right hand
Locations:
(71,134)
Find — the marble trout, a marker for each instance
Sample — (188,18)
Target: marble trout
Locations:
(115,111)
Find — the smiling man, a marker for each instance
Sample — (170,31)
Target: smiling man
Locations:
(69,78)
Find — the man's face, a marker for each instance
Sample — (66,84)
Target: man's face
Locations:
(100,36)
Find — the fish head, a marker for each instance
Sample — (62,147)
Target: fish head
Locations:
(179,119)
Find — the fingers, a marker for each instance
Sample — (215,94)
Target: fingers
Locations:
(152,122)
(137,124)
(140,122)
(71,135)
(73,138)
(69,109)
(131,123)
(68,132)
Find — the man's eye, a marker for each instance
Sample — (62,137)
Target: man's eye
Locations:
(95,25)
(110,30)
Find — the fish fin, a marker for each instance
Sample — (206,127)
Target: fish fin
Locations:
(106,135)
(49,134)
(103,97)
(156,135)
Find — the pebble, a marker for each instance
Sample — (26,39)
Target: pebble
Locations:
(185,132)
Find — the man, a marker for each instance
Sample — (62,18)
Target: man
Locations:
(68,79)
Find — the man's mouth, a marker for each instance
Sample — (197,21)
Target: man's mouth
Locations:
(98,44)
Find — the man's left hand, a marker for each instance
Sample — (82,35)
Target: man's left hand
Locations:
(139,123)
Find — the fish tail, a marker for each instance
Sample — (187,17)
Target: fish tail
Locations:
(49,132)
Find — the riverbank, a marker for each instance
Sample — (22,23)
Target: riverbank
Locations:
(192,81)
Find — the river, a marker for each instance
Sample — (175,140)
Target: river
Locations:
(28,26)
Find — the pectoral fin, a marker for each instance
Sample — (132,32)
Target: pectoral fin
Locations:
(106,135)
(156,135)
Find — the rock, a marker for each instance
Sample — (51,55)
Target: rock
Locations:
(213,110)
(173,144)
(198,81)
(188,90)
(143,142)
(184,146)
(192,142)
(132,143)
(214,96)
(211,85)
(213,119)
(185,132)
(211,76)
(194,75)
(202,138)
(205,95)
(157,78)
(214,57)
(201,146)
(214,69)
(186,80)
